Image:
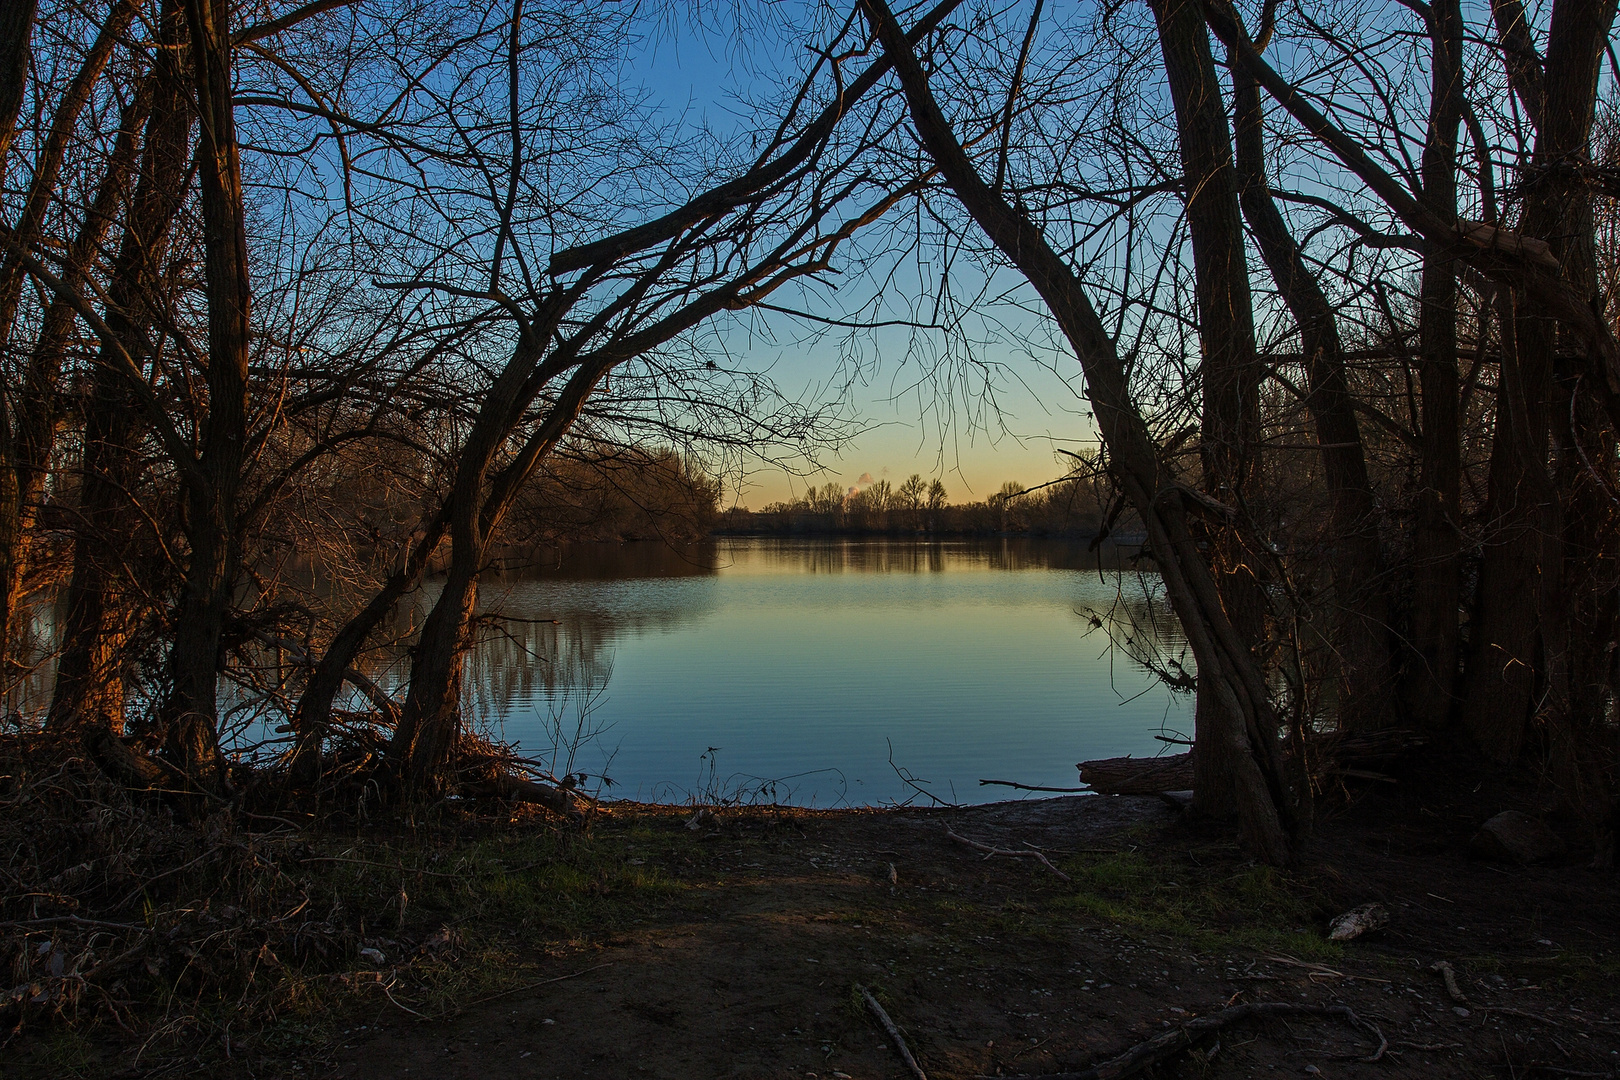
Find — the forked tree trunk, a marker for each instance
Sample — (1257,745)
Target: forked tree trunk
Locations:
(1265,802)
(314,712)
(1229,367)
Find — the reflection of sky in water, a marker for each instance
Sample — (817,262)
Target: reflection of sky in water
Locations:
(796,656)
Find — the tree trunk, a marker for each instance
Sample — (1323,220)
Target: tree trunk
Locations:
(16,32)
(430,726)
(192,741)
(1523,557)
(1229,367)
(89,680)
(36,411)
(24,233)
(1437,536)
(314,711)
(1265,803)
(1361,632)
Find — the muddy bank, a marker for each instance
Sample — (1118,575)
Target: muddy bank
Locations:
(734,944)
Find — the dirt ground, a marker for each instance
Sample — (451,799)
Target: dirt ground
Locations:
(746,955)
(997,967)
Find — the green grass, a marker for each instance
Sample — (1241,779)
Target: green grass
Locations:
(1213,909)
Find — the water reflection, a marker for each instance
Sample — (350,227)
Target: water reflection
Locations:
(752,659)
(793,668)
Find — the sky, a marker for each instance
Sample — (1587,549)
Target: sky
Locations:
(697,73)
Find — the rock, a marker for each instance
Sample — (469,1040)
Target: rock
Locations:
(1178,800)
(1512,836)
(1352,924)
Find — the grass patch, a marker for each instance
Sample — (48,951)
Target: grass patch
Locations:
(1217,906)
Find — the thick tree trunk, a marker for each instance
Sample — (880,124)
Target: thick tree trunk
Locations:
(192,741)
(36,412)
(1437,535)
(16,32)
(89,681)
(24,233)
(1229,368)
(1361,632)
(314,711)
(430,726)
(1265,803)
(1521,613)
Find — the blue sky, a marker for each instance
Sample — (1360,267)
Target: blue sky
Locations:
(698,73)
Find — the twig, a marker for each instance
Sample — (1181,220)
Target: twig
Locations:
(391,997)
(1170,1043)
(23,924)
(894,1033)
(1318,969)
(990,852)
(1549,1021)
(1032,787)
(531,986)
(1449,973)
(916,785)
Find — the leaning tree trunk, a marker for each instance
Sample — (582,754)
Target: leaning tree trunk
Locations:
(1361,631)
(1265,803)
(36,409)
(1437,538)
(22,234)
(314,712)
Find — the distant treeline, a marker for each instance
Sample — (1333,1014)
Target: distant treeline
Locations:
(1072,506)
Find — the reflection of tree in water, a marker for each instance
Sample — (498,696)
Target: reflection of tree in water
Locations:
(839,555)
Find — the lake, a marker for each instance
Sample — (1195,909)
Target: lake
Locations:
(818,671)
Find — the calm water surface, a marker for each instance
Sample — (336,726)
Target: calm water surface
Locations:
(788,669)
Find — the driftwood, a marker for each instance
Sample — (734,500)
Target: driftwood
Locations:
(515,788)
(1138,776)
(1330,755)
(990,852)
(889,1026)
(1174,1041)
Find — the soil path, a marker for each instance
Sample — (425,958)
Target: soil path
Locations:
(996,966)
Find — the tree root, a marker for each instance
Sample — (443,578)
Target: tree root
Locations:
(1170,1043)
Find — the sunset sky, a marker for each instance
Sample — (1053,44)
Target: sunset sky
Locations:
(697,75)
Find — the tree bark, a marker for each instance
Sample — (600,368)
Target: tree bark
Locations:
(190,714)
(1229,367)
(1523,560)
(16,33)
(89,679)
(1265,804)
(24,233)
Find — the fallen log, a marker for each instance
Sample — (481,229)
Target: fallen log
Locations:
(1332,754)
(516,789)
(1138,776)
